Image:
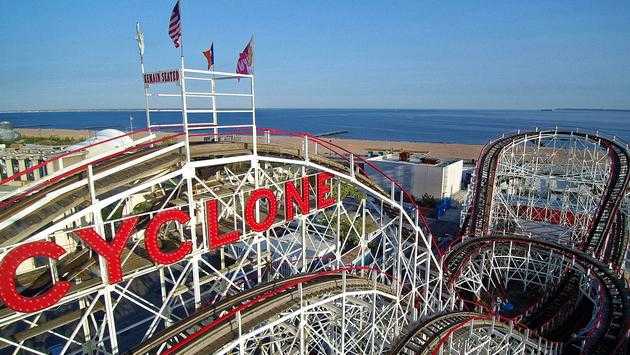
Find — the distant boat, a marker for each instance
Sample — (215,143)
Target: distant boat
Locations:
(546,109)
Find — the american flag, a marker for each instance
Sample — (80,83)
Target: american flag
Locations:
(175,26)
(245,64)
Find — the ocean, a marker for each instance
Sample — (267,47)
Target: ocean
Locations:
(439,125)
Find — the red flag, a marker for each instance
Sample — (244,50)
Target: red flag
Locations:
(209,54)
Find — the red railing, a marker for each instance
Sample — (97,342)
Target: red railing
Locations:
(36,187)
(332,147)
(63,155)
(344,154)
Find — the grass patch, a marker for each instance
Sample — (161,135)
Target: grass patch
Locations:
(50,140)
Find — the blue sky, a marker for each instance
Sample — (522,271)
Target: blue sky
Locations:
(336,54)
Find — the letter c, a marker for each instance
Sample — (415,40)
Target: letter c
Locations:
(8,267)
(151,236)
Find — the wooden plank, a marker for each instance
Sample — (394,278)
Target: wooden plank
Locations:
(54,323)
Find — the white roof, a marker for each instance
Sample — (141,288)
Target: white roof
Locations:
(104,135)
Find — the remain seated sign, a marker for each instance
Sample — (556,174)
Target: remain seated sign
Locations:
(167,76)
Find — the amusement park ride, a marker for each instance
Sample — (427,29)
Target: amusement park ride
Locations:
(204,237)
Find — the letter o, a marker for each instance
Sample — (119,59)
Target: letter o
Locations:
(250,208)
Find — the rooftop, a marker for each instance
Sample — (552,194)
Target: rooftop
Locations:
(413,158)
(29,151)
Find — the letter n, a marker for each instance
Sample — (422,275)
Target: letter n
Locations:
(291,196)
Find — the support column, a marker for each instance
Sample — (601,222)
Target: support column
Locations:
(363,244)
(97,219)
(189,175)
(241,342)
(215,118)
(338,242)
(302,320)
(257,236)
(343,312)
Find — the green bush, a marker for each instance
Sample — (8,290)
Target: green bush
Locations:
(51,140)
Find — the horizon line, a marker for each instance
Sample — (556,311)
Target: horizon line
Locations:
(331,108)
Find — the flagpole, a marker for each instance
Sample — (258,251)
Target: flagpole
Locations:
(140,39)
(213,88)
(182,81)
(181,29)
(252,92)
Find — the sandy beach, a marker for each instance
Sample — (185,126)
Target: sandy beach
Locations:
(436,150)
(359,146)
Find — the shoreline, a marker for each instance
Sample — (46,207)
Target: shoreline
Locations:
(360,146)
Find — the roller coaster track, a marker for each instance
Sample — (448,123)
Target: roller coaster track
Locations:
(212,327)
(204,331)
(153,171)
(70,191)
(424,335)
(606,238)
(615,305)
(615,250)
(477,221)
(606,242)
(428,336)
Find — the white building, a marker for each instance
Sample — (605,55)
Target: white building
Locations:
(19,157)
(421,175)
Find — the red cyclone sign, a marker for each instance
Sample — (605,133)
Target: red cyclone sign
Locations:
(111,251)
